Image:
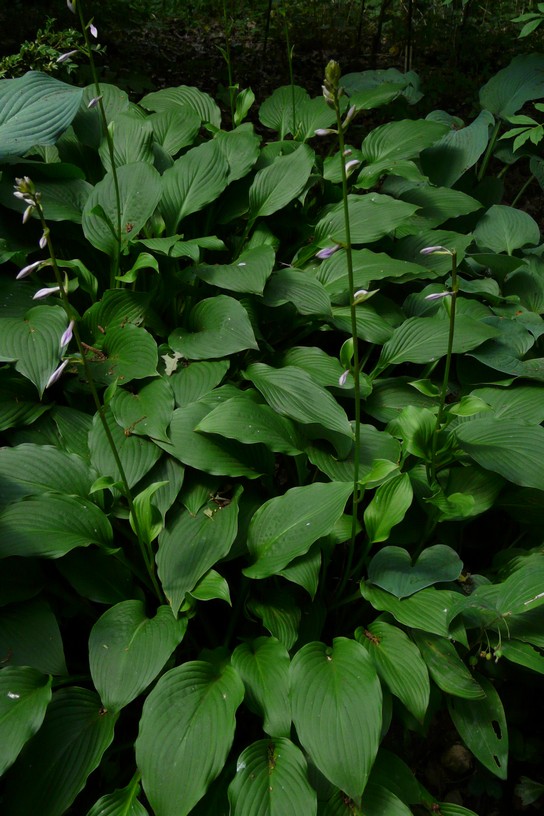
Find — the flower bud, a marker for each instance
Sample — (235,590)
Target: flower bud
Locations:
(435,250)
(323,254)
(27,270)
(56,374)
(94,102)
(43,239)
(67,56)
(67,335)
(93,29)
(71,5)
(438,295)
(45,292)
(27,213)
(343,378)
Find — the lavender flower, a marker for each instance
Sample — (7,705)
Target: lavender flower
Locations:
(67,335)
(94,102)
(45,292)
(56,374)
(343,378)
(323,254)
(351,165)
(67,56)
(93,30)
(43,240)
(325,131)
(438,295)
(27,270)
(27,213)
(435,250)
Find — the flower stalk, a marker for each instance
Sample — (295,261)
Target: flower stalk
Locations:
(26,186)
(332,93)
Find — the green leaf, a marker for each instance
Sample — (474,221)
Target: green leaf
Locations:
(121,802)
(34,110)
(372,216)
(32,342)
(368,267)
(504,229)
(279,615)
(175,128)
(272,780)
(137,455)
(186,732)
(207,538)
(18,400)
(378,800)
(447,809)
(183,97)
(446,667)
(374,445)
(24,696)
(399,664)
(248,273)
(240,148)
(387,508)
(307,294)
(212,586)
(29,470)
(482,727)
(430,610)
(505,446)
(425,339)
(388,144)
(50,526)
(292,392)
(513,86)
(146,412)
(392,569)
(276,112)
(210,453)
(127,650)
(217,327)
(390,771)
(275,186)
(439,204)
(456,152)
(132,139)
(263,665)
(30,636)
(139,192)
(523,654)
(286,526)
(196,179)
(337,725)
(194,381)
(249,422)
(97,575)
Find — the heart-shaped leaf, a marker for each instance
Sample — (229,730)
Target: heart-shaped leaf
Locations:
(127,650)
(218,326)
(186,732)
(263,665)
(337,724)
(392,569)
(272,778)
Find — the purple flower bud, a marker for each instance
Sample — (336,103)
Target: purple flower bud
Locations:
(56,374)
(360,293)
(67,56)
(19,194)
(347,152)
(438,250)
(324,131)
(43,241)
(67,335)
(438,295)
(323,254)
(27,270)
(94,101)
(93,29)
(45,292)
(27,213)
(343,378)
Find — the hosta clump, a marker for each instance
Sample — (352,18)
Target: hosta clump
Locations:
(227,585)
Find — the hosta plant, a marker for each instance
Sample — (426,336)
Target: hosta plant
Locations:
(272,468)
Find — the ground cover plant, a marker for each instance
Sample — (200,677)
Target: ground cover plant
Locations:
(272,476)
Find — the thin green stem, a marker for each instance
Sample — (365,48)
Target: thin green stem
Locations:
(356,364)
(146,553)
(291,75)
(228,59)
(114,270)
(489,151)
(522,190)
(447,366)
